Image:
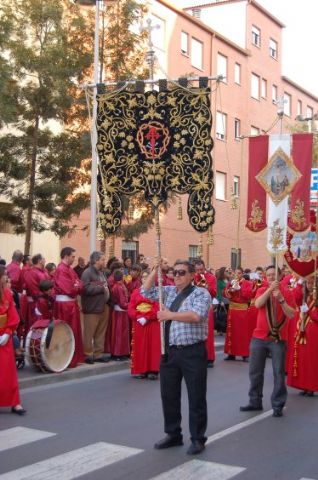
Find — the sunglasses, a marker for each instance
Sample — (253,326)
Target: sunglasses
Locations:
(180,273)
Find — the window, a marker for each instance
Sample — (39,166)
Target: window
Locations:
(237,128)
(197,54)
(196,12)
(287,104)
(236,255)
(193,252)
(299,107)
(130,249)
(274,93)
(255,86)
(237,73)
(264,88)
(221,68)
(309,112)
(184,43)
(273,48)
(256,36)
(158,33)
(220,185)
(236,186)
(220,126)
(254,131)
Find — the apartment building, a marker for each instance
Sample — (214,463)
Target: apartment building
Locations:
(242,41)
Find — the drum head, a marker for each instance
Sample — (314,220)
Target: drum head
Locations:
(58,356)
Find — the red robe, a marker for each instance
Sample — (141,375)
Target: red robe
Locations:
(302,368)
(120,339)
(145,344)
(297,293)
(237,340)
(32,279)
(66,282)
(133,285)
(15,274)
(211,287)
(9,388)
(45,306)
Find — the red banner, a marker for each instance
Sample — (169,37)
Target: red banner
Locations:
(299,219)
(256,196)
(301,255)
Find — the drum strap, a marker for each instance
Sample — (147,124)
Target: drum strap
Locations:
(49,334)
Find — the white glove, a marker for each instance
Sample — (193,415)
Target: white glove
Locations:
(304,308)
(300,281)
(142,321)
(37,312)
(4,339)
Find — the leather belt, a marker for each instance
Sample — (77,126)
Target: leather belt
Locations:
(181,347)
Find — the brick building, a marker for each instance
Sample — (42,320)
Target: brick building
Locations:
(242,41)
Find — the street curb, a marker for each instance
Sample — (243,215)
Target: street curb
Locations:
(82,371)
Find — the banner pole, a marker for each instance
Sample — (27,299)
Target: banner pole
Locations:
(158,245)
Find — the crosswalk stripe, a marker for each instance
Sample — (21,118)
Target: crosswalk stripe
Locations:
(305,478)
(17,436)
(202,470)
(73,464)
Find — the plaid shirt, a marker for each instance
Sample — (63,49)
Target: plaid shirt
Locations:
(199,301)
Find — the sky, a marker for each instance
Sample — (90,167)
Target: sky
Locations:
(300,39)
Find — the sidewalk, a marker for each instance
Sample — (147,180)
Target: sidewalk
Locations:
(29,377)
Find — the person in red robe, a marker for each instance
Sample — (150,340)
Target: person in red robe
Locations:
(14,271)
(135,283)
(204,279)
(166,279)
(302,368)
(45,301)
(112,264)
(239,291)
(32,279)
(119,340)
(26,265)
(67,286)
(145,344)
(258,281)
(9,320)
(295,288)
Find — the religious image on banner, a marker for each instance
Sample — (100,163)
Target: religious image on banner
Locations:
(279,176)
(155,142)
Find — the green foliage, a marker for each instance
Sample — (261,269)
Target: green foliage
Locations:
(303,127)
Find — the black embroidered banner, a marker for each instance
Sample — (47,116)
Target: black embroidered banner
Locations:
(155,142)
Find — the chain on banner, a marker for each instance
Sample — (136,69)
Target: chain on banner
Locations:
(155,142)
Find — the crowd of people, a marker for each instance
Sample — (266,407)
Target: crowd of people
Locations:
(113,311)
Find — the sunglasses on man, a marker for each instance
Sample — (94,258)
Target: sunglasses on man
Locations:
(180,273)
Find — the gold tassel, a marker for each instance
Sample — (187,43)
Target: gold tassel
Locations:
(131,211)
(210,240)
(100,233)
(179,215)
(111,246)
(200,246)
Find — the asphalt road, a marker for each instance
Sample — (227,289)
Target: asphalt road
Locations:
(104,428)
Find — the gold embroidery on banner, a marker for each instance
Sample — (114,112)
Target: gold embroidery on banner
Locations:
(257,215)
(298,214)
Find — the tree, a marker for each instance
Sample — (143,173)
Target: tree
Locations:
(42,155)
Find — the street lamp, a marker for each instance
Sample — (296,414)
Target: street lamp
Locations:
(309,120)
(93,200)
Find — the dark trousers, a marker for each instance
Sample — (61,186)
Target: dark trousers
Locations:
(258,352)
(189,363)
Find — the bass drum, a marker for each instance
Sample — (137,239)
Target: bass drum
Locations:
(58,356)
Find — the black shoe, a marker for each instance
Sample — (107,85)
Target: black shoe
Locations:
(18,411)
(245,359)
(310,393)
(250,408)
(210,364)
(140,377)
(195,448)
(101,360)
(152,376)
(89,360)
(303,393)
(169,441)
(230,357)
(278,412)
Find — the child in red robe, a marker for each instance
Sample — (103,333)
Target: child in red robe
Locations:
(119,341)
(145,351)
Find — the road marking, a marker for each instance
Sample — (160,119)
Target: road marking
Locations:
(305,478)
(73,464)
(238,426)
(17,436)
(202,470)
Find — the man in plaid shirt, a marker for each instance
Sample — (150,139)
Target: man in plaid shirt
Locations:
(185,315)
